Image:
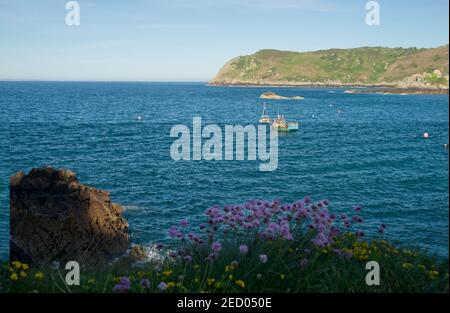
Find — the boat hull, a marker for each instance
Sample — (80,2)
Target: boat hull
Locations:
(291,127)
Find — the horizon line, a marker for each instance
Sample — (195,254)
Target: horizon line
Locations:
(102,81)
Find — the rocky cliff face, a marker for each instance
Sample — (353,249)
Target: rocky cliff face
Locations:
(56,218)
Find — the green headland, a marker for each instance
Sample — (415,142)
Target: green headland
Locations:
(365,66)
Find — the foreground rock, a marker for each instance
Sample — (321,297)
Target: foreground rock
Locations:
(56,218)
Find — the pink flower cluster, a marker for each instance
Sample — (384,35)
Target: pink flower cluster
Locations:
(269,220)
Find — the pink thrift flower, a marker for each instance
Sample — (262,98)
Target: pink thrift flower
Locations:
(216,246)
(263,258)
(162,286)
(243,249)
(145,283)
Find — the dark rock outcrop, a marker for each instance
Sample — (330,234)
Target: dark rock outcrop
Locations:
(56,218)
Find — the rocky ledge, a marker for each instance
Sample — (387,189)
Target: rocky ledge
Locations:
(273,96)
(56,218)
(400,91)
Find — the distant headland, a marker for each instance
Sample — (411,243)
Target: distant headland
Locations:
(403,68)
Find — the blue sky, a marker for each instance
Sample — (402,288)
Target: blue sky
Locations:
(189,40)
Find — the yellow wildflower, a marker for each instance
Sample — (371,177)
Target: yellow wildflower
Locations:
(91,281)
(218,285)
(17,264)
(167,273)
(230,277)
(410,253)
(39,276)
(23,274)
(421,267)
(170,284)
(231,267)
(361,251)
(14,277)
(240,283)
(25,267)
(407,266)
(211,281)
(433,274)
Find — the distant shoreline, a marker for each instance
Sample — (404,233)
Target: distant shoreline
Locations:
(350,89)
(400,91)
(296,85)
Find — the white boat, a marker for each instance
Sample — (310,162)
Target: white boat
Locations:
(264,119)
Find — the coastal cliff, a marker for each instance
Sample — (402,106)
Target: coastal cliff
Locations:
(53,217)
(366,66)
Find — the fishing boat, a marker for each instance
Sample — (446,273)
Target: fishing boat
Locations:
(281,125)
(264,119)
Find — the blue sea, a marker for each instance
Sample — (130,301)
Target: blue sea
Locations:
(353,149)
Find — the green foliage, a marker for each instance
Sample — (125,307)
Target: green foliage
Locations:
(292,266)
(435,79)
(359,65)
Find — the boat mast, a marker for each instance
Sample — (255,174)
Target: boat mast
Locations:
(264,112)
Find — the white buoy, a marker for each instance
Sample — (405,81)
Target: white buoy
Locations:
(426,135)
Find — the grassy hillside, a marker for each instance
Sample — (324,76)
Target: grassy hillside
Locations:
(366,65)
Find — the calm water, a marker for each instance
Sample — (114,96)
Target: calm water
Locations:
(351,149)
